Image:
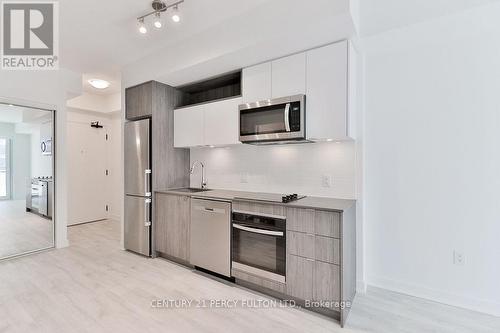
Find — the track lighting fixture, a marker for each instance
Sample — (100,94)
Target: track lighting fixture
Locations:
(157,21)
(142,26)
(175,14)
(159,6)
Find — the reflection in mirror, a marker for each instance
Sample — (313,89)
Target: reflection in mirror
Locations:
(26,180)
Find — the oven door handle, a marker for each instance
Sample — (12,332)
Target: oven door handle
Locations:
(259,231)
(287,117)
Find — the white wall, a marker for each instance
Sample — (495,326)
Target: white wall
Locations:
(433,159)
(97,103)
(41,164)
(48,89)
(20,156)
(21,166)
(287,169)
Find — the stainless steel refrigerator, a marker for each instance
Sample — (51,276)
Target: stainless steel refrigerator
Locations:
(137,144)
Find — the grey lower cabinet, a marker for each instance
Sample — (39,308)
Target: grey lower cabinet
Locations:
(311,280)
(321,259)
(172,225)
(326,283)
(300,277)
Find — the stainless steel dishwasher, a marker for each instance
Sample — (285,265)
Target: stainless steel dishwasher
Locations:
(211,235)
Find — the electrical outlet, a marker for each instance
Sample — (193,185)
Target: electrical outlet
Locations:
(326,180)
(458,258)
(244,177)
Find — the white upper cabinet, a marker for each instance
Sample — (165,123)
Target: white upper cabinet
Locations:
(327,75)
(327,93)
(189,126)
(221,122)
(289,76)
(207,124)
(256,83)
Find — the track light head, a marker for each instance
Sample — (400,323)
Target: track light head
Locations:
(175,14)
(142,26)
(157,21)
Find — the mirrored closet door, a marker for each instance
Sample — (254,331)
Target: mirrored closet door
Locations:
(26,180)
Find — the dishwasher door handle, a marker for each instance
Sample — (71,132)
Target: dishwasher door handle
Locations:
(210,210)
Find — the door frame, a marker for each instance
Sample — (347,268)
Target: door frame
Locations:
(53,110)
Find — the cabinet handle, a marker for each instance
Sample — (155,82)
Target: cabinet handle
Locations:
(210,210)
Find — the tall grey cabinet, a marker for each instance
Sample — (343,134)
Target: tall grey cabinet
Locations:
(170,166)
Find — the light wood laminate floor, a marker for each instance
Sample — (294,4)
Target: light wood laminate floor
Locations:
(93,286)
(22,231)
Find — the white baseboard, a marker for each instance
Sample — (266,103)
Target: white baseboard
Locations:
(62,243)
(361,286)
(475,304)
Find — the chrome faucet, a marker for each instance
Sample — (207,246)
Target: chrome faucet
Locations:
(203,180)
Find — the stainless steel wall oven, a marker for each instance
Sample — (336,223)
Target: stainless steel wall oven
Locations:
(259,245)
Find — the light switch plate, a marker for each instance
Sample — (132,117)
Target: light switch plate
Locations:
(458,258)
(244,177)
(326,181)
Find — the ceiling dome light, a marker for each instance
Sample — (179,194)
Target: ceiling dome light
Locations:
(175,14)
(99,84)
(157,22)
(142,27)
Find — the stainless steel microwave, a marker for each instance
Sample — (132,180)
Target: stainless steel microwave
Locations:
(280,120)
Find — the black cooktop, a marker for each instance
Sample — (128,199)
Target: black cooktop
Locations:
(270,197)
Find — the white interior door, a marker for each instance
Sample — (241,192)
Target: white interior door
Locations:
(87,179)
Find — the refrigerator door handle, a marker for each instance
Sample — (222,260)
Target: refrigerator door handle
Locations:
(147,177)
(147,220)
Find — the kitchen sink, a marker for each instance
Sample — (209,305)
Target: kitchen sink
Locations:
(190,190)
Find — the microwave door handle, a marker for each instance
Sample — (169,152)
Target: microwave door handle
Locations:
(287,117)
(259,231)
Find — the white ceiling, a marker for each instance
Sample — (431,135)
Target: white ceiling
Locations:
(270,30)
(99,36)
(16,114)
(382,15)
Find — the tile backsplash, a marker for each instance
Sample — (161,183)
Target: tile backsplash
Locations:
(299,168)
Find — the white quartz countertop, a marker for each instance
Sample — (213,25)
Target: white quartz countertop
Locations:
(323,203)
